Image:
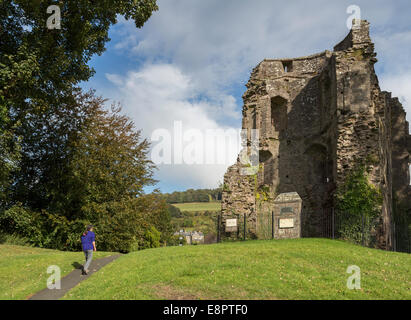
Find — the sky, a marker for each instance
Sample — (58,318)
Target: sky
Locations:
(188,65)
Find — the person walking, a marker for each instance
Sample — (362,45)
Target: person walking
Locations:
(88,242)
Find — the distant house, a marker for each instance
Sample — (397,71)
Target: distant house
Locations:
(197,237)
(193,237)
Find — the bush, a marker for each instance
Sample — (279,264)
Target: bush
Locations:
(125,226)
(62,234)
(174,211)
(357,201)
(13,239)
(120,227)
(41,229)
(20,222)
(175,241)
(188,223)
(151,239)
(135,224)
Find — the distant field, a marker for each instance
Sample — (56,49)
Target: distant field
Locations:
(23,270)
(199,206)
(261,269)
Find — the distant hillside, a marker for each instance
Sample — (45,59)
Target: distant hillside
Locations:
(198,216)
(191,195)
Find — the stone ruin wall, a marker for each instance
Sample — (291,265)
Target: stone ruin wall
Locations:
(316,117)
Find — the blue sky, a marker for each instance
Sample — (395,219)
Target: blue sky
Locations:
(190,62)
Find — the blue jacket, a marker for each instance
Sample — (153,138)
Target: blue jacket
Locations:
(87,240)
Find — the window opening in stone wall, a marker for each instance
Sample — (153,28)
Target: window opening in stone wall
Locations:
(279,113)
(288,66)
(266,158)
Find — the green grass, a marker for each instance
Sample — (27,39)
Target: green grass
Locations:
(199,206)
(279,269)
(23,270)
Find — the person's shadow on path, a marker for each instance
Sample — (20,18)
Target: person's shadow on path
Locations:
(77,265)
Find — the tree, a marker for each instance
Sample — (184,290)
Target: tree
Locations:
(65,159)
(9,154)
(40,64)
(199,195)
(109,162)
(174,211)
(40,68)
(133,223)
(93,171)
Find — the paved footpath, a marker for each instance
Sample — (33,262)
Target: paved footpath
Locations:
(72,279)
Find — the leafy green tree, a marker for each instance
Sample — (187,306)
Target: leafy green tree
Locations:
(109,162)
(90,167)
(134,224)
(188,223)
(41,64)
(39,69)
(9,154)
(65,160)
(87,157)
(174,211)
(156,212)
(199,195)
(151,238)
(46,152)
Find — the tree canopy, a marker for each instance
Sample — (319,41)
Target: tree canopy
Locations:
(40,67)
(65,158)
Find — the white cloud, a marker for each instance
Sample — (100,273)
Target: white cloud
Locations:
(394,66)
(400,86)
(218,42)
(158,95)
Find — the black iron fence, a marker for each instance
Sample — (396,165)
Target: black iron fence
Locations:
(362,229)
(263,230)
(401,237)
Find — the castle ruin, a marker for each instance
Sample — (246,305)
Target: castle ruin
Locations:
(318,116)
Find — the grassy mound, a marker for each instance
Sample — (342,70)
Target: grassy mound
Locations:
(23,270)
(280,269)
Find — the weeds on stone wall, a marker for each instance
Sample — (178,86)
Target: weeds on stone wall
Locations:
(358,205)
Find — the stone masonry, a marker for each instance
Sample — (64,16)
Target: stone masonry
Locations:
(318,116)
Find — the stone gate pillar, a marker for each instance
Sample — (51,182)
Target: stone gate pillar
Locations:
(287,216)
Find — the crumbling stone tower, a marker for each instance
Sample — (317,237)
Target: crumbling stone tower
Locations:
(317,116)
